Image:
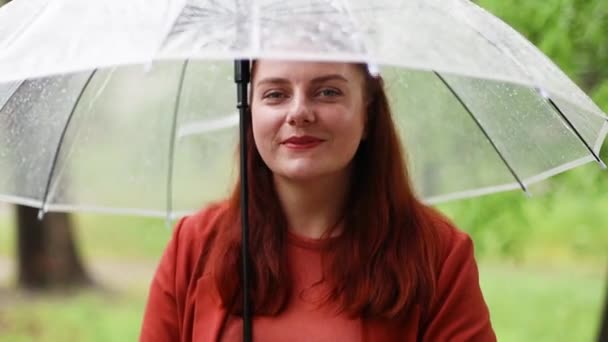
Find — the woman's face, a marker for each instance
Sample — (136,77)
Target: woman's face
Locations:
(308,118)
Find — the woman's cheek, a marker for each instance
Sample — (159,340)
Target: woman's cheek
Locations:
(265,136)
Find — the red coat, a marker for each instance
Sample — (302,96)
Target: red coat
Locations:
(181,307)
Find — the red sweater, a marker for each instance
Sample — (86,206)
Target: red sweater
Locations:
(181,307)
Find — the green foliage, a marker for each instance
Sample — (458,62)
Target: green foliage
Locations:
(566,220)
(571,32)
(600,95)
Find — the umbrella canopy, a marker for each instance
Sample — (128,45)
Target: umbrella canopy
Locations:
(129,106)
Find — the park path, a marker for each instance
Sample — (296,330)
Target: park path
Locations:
(117,275)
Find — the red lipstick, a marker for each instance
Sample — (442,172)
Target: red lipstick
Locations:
(302,142)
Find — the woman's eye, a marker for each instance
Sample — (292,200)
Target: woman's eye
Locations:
(273,95)
(328,93)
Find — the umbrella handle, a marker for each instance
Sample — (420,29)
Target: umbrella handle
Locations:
(242,77)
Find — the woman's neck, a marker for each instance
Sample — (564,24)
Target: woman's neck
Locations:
(314,206)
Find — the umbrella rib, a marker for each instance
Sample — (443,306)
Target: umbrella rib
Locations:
(220,6)
(485,133)
(172,143)
(576,132)
(11,96)
(200,10)
(60,144)
(178,24)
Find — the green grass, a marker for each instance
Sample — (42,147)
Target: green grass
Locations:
(118,237)
(88,316)
(539,304)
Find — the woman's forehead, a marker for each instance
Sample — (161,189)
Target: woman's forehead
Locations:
(303,71)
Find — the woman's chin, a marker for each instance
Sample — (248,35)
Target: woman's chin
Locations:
(301,173)
(308,173)
(301,176)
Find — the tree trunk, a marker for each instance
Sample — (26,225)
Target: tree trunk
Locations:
(47,255)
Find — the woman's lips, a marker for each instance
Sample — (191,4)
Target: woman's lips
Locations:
(302,143)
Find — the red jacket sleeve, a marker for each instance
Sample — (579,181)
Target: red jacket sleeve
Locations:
(161,320)
(460,312)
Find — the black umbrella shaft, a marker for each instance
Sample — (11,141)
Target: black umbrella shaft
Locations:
(241,77)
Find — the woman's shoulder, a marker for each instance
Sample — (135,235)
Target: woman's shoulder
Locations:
(203,222)
(450,238)
(459,311)
(194,233)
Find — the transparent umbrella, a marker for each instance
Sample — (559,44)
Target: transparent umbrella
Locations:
(128,106)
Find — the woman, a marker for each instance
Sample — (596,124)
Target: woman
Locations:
(341,248)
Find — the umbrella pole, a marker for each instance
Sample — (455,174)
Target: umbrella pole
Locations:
(241,78)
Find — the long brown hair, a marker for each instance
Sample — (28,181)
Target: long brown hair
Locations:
(384,262)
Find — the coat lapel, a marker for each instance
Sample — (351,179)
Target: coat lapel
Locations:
(209,314)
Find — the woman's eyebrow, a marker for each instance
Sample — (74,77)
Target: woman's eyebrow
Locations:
(320,79)
(272,80)
(332,77)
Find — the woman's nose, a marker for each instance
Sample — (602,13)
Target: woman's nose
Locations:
(301,112)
